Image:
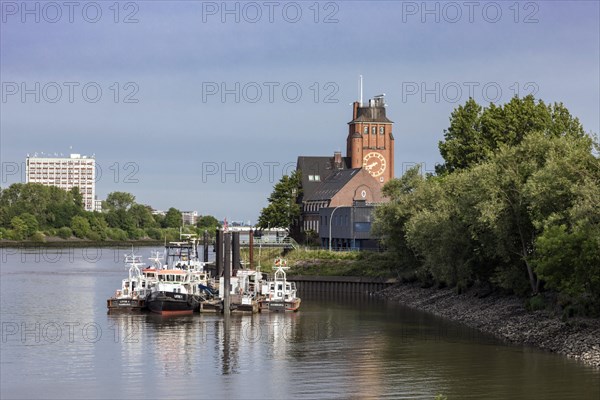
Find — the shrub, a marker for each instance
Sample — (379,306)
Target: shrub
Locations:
(94,236)
(536,303)
(154,233)
(116,234)
(38,237)
(81,226)
(65,232)
(136,234)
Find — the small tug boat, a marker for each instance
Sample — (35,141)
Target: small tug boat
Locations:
(279,294)
(134,289)
(183,284)
(172,295)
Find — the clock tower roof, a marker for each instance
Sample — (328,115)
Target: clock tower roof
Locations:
(374,112)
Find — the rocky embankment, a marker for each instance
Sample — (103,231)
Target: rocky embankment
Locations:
(506,318)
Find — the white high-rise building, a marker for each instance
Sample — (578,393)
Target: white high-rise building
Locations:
(65,173)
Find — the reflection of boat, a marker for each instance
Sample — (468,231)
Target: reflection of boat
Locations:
(279,294)
(134,289)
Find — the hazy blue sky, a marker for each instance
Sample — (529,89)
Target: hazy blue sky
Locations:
(174,146)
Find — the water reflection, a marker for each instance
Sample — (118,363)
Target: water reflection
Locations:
(336,346)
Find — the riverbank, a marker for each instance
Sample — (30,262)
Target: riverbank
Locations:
(506,318)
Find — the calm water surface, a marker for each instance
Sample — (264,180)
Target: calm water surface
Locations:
(59,342)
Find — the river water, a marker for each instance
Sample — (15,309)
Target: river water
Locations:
(59,342)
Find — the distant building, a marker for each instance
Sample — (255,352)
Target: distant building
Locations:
(189,217)
(65,173)
(98,205)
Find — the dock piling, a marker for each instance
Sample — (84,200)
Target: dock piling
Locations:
(227,274)
(235,253)
(205,246)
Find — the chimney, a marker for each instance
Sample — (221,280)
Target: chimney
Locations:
(354,110)
(337,159)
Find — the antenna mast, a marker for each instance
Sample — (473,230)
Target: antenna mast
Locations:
(361,91)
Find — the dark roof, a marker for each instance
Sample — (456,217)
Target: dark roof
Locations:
(319,166)
(371,114)
(333,184)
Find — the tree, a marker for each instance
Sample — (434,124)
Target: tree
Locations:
(173,218)
(118,201)
(283,210)
(208,222)
(475,132)
(391,218)
(515,204)
(141,216)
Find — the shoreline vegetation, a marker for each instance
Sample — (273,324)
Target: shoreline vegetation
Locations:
(56,242)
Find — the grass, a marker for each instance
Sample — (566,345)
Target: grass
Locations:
(329,263)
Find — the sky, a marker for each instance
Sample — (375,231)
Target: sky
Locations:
(205,105)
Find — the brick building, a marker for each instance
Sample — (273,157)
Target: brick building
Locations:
(329,182)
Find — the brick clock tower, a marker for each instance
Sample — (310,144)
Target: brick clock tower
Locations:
(370,143)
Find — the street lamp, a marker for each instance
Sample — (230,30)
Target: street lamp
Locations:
(331,223)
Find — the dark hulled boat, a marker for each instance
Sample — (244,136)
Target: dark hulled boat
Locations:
(171,303)
(174,292)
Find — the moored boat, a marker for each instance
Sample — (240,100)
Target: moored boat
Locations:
(244,291)
(178,292)
(279,294)
(134,289)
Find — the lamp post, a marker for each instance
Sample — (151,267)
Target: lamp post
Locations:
(331,223)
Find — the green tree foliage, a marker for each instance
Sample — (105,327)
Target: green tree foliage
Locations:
(208,222)
(141,216)
(46,208)
(65,232)
(19,228)
(31,224)
(282,211)
(52,207)
(118,201)
(516,212)
(475,132)
(172,218)
(81,227)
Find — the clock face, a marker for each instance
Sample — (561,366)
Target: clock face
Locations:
(374,163)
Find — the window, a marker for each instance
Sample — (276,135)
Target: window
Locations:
(381,130)
(311,178)
(366,130)
(317,178)
(374,130)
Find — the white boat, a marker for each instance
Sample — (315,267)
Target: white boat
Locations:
(135,288)
(182,283)
(279,294)
(244,290)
